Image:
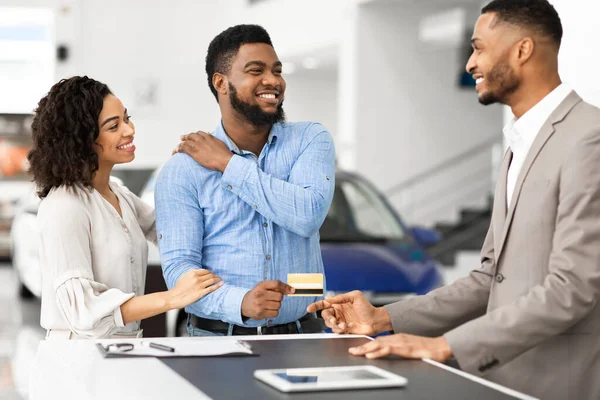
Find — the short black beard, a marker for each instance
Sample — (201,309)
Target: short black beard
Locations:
(253,113)
(504,79)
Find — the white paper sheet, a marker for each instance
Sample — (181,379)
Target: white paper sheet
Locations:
(183,348)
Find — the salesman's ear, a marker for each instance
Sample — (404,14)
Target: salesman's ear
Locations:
(219,82)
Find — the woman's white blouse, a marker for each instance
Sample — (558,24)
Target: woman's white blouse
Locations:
(92,260)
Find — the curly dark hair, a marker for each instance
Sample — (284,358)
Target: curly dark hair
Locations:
(537,15)
(225,46)
(65,126)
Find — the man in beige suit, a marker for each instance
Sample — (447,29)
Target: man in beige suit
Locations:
(529,317)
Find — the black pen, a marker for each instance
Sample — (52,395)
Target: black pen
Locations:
(161,347)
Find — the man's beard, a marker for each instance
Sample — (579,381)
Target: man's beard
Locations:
(253,113)
(504,80)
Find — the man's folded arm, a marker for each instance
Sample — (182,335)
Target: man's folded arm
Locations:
(179,221)
(299,204)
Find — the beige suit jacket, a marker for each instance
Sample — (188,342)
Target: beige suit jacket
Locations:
(529,318)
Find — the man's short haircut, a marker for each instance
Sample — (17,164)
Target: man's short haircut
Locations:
(537,15)
(225,46)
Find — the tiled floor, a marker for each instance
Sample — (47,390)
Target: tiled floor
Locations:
(20,331)
(20,334)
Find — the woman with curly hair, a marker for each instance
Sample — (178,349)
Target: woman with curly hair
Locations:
(93,231)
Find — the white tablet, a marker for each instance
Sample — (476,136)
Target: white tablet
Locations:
(329,378)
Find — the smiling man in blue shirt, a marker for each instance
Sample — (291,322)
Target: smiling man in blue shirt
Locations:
(250,208)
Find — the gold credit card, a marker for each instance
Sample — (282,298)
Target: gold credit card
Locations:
(306,284)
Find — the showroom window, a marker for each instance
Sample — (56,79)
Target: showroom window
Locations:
(26,58)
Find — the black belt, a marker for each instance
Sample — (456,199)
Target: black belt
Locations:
(308,324)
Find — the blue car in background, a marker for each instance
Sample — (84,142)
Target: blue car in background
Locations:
(366,246)
(364,243)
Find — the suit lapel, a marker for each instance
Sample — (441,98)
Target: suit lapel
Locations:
(545,133)
(499,210)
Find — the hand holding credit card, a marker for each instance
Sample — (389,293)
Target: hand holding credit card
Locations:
(306,284)
(264,299)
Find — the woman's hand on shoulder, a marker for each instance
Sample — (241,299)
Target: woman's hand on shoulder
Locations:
(206,149)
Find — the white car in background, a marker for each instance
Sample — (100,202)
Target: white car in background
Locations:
(11,191)
(24,235)
(25,243)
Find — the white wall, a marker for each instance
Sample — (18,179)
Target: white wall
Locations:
(296,26)
(299,29)
(580,51)
(135,45)
(579,58)
(411,115)
(141,46)
(312,96)
(398,109)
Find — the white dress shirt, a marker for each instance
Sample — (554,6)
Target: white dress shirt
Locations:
(521,133)
(92,260)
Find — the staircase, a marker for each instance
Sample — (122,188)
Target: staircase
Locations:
(467,234)
(457,192)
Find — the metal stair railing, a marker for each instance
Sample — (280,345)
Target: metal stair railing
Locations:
(444,188)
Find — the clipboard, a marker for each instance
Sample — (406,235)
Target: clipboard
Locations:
(166,347)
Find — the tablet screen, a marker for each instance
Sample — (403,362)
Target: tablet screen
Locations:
(328,376)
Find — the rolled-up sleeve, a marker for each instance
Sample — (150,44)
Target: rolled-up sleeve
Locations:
(299,204)
(180,222)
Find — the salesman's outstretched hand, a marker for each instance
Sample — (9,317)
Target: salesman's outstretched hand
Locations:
(352,313)
(407,346)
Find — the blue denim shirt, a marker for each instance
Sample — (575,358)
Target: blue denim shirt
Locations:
(259,220)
